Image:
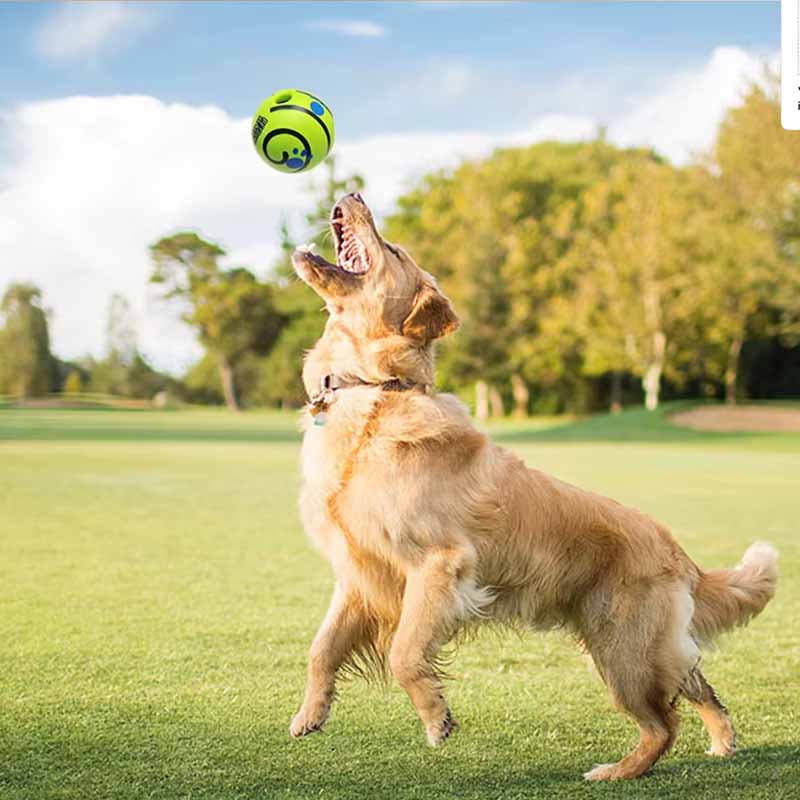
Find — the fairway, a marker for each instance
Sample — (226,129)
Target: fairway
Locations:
(158,596)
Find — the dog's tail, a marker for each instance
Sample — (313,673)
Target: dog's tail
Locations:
(725,598)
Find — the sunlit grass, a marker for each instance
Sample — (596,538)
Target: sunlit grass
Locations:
(157,597)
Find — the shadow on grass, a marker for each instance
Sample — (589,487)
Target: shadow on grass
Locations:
(125,758)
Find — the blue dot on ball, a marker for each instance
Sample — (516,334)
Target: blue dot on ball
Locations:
(295,163)
(317,108)
(295,151)
(302,154)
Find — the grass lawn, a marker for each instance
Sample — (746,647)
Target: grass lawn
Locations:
(157,597)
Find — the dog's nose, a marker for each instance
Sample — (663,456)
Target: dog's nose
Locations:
(352,203)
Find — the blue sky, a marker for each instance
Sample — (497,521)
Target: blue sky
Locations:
(124,122)
(233,54)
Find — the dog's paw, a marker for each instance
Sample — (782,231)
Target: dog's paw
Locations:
(602,772)
(721,749)
(439,731)
(307,721)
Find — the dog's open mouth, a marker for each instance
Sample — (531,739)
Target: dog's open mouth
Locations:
(351,254)
(351,225)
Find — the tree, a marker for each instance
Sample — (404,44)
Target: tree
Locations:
(110,374)
(121,330)
(756,166)
(26,365)
(495,232)
(202,384)
(64,369)
(550,185)
(757,159)
(637,291)
(453,226)
(739,278)
(231,310)
(123,370)
(73,383)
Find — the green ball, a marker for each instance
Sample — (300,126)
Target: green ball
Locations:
(293,130)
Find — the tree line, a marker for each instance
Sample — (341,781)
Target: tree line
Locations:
(28,368)
(586,276)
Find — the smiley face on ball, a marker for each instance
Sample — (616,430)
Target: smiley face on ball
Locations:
(293,130)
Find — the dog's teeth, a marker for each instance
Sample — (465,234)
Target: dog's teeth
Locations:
(351,253)
(303,248)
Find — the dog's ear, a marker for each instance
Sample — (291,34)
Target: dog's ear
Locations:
(431,316)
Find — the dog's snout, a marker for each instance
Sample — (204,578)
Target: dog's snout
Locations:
(353,206)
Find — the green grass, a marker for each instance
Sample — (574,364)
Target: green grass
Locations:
(157,597)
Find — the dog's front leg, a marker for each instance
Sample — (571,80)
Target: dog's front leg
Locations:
(440,593)
(340,632)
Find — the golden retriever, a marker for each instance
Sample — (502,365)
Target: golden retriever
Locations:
(431,528)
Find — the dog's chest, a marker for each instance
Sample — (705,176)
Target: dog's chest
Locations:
(326,452)
(320,461)
(343,500)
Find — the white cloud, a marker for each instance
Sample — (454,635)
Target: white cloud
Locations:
(81,29)
(351,27)
(78,209)
(681,116)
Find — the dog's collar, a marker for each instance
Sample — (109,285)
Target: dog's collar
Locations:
(332,383)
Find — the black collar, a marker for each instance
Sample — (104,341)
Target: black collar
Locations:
(332,383)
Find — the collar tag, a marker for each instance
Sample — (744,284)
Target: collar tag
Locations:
(320,402)
(320,419)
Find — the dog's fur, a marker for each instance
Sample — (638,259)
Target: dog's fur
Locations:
(430,527)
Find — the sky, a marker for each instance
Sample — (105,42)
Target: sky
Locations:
(124,122)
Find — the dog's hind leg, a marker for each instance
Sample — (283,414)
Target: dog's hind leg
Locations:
(644,659)
(439,594)
(344,629)
(650,706)
(699,692)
